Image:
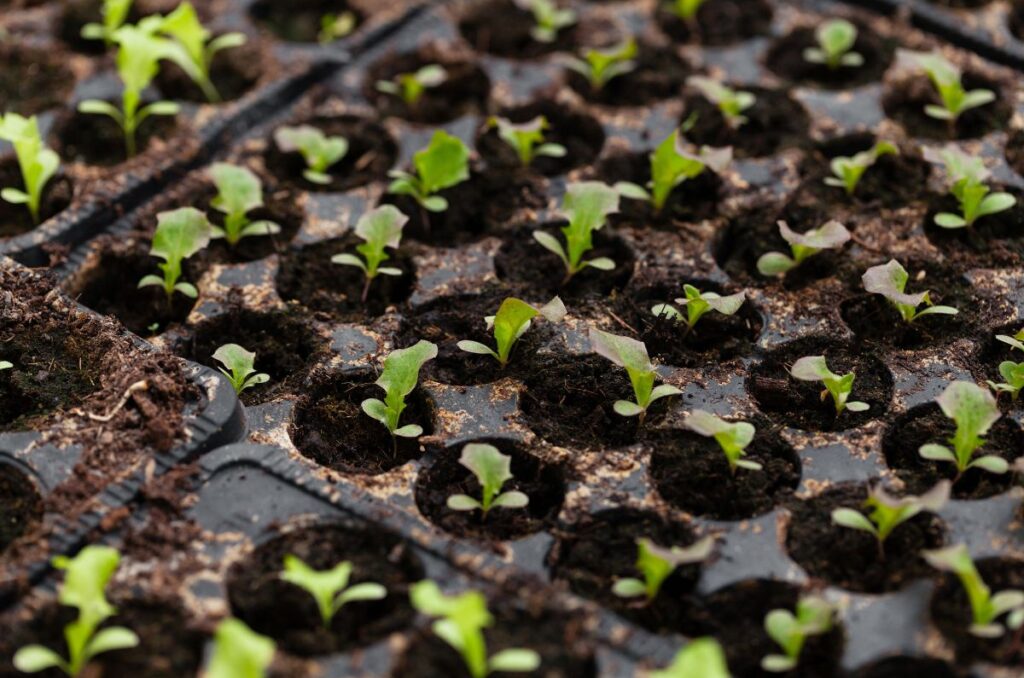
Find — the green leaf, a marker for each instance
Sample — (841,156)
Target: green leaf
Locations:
(443,164)
(852,519)
(701,658)
(949,220)
(240,365)
(515,660)
(239,652)
(318,150)
(238,189)
(110,639)
(629,588)
(974,410)
(36,658)
(180,234)
(774,263)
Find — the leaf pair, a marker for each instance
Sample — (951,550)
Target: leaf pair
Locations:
(732,437)
(966,177)
(832,235)
(698,304)
(329,588)
(888,512)
(380,229)
(600,66)
(319,151)
(814,617)
(974,411)
(527,138)
(238,192)
(731,103)
(444,163)
(511,322)
(492,470)
(836,39)
(839,386)
(656,564)
(890,280)
(986,608)
(548,19)
(946,78)
(179,234)
(195,47)
(847,171)
(587,206)
(1012,372)
(239,367)
(398,379)
(411,87)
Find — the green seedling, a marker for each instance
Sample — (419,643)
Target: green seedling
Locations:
(656,564)
(114,13)
(527,138)
(335,27)
(814,617)
(686,9)
(731,103)
(600,66)
(239,367)
(398,379)
(411,87)
(839,386)
(238,193)
(318,150)
(548,19)
(986,608)
(631,355)
(886,512)
(196,47)
(492,470)
(974,411)
(179,234)
(38,163)
(329,588)
(701,658)
(698,304)
(890,280)
(832,235)
(442,164)
(1012,372)
(239,652)
(460,623)
(848,170)
(379,229)
(85,581)
(732,437)
(946,78)
(586,205)
(965,176)
(511,322)
(836,39)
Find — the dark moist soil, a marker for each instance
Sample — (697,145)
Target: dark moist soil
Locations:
(990,353)
(502,28)
(541,481)
(786,58)
(331,428)
(1014,150)
(960,4)
(16,219)
(21,507)
(94,139)
(168,647)
(927,424)
(233,72)
(289,615)
(693,200)
(799,403)
(774,122)
(659,74)
(298,20)
(996,240)
(371,154)
(33,80)
(568,402)
(307,275)
(850,558)
(719,23)
(591,556)
(904,102)
(951,613)
(691,473)
(580,134)
(901,667)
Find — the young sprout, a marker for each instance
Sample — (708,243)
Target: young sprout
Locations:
(836,39)
(686,9)
(631,355)
(813,618)
(6,365)
(114,13)
(701,658)
(986,608)
(239,363)
(38,163)
(848,170)
(946,78)
(832,235)
(731,103)
(85,581)
(548,19)
(179,234)
(888,512)
(318,150)
(335,27)
(239,652)
(460,622)
(890,280)
(442,164)
(511,322)
(329,588)
(599,66)
(839,386)
(492,470)
(732,437)
(698,304)
(656,564)
(412,86)
(974,411)
(524,138)
(965,175)
(195,49)
(238,193)
(379,229)
(398,379)
(1012,372)
(587,205)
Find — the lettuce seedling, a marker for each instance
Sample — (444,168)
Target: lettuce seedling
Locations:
(814,616)
(6,364)
(114,13)
(329,588)
(890,280)
(85,581)
(511,322)
(461,621)
(656,564)
(974,411)
(195,48)
(401,372)
(965,175)
(442,164)
(179,234)
(318,150)
(631,355)
(38,163)
(888,512)
(836,39)
(548,19)
(986,608)
(600,66)
(686,9)
(411,87)
(701,658)
(832,235)
(698,304)
(239,367)
(492,470)
(239,652)
(379,229)
(238,193)
(946,78)
(839,386)
(586,205)
(732,437)
(335,27)
(1012,372)
(524,138)
(731,103)
(848,170)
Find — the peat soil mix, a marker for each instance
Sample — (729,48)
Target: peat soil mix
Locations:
(638,537)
